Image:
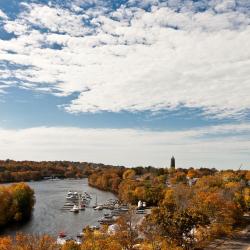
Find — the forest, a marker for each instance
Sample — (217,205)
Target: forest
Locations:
(18,171)
(190,207)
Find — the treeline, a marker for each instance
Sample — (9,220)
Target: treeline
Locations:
(18,171)
(16,203)
(147,184)
(107,179)
(190,207)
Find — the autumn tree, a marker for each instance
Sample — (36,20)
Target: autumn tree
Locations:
(17,202)
(28,242)
(129,174)
(127,233)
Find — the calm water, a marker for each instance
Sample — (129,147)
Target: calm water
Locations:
(50,198)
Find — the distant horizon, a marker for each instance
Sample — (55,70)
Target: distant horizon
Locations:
(241,167)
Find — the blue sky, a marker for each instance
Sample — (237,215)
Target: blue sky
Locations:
(126,82)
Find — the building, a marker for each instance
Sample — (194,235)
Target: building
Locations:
(172,164)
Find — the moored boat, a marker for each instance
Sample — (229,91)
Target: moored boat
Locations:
(100,207)
(75,209)
(61,239)
(82,206)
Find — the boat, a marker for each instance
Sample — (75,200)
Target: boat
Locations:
(69,196)
(123,209)
(62,234)
(78,240)
(72,195)
(82,206)
(116,212)
(140,211)
(87,195)
(98,208)
(75,209)
(108,216)
(80,235)
(86,201)
(93,228)
(61,239)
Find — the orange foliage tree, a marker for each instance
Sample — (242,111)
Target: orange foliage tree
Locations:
(17,202)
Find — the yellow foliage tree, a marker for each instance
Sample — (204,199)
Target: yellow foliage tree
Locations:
(129,174)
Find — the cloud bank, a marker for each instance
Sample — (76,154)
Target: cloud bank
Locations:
(141,55)
(208,147)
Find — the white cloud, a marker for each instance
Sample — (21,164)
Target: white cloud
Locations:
(3,15)
(154,60)
(225,5)
(130,147)
(56,20)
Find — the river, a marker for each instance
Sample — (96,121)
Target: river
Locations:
(47,215)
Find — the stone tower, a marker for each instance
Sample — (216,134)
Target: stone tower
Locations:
(172,164)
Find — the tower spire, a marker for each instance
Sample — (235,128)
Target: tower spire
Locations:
(172,163)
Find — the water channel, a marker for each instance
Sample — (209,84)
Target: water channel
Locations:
(48,218)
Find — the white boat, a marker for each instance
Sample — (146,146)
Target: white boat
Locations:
(75,209)
(98,208)
(78,241)
(70,194)
(61,239)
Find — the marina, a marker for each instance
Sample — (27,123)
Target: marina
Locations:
(76,201)
(72,206)
(52,214)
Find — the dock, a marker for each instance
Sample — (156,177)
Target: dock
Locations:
(76,198)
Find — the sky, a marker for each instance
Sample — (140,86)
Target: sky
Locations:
(126,82)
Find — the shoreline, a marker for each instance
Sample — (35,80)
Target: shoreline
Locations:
(50,179)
